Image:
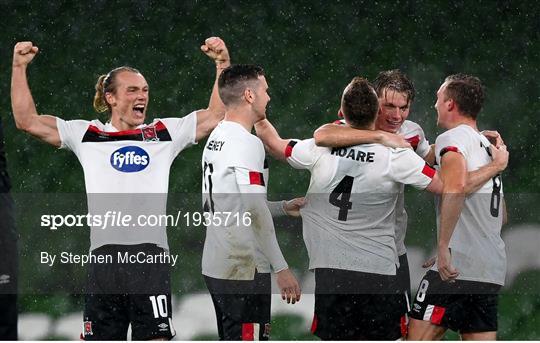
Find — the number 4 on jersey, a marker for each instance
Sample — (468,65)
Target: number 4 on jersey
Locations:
(343,190)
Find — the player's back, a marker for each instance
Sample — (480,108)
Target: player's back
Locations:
(478,250)
(231,154)
(349,219)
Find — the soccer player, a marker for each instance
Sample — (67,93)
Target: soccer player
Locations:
(396,93)
(349,224)
(126,166)
(460,291)
(239,255)
(8,253)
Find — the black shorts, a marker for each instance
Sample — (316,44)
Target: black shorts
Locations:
(403,275)
(462,306)
(119,294)
(404,287)
(242,307)
(8,317)
(356,306)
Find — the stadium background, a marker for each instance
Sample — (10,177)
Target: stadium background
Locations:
(310,50)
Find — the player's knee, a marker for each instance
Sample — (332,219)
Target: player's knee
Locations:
(420,330)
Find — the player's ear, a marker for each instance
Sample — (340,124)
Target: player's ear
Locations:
(450,104)
(249,95)
(109,97)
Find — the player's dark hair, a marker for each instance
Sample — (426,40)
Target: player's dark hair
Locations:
(107,84)
(394,80)
(468,93)
(359,103)
(235,79)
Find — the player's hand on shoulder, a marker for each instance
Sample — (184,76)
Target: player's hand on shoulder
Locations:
(393,141)
(24,53)
(447,271)
(500,156)
(288,286)
(215,48)
(494,137)
(292,207)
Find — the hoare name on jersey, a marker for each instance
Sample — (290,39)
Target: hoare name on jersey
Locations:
(354,154)
(130,159)
(215,145)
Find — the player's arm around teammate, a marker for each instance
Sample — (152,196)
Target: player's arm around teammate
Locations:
(333,135)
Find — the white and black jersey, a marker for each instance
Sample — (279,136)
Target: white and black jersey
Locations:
(478,251)
(349,219)
(127,172)
(232,159)
(413,133)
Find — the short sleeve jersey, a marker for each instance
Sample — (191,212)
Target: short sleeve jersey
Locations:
(413,133)
(478,251)
(127,173)
(349,218)
(232,157)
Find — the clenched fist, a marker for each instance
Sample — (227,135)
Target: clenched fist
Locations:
(215,48)
(24,53)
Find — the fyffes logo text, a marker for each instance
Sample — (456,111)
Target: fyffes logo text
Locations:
(130,159)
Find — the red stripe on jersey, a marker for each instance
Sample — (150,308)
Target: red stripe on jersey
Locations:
(158,126)
(413,141)
(437,315)
(403,326)
(428,171)
(314,323)
(288,148)
(248,332)
(256,178)
(447,149)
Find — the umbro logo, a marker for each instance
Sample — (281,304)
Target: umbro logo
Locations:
(163,327)
(4,279)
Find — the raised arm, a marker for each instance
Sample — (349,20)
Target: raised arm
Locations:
(332,135)
(274,144)
(24,109)
(215,48)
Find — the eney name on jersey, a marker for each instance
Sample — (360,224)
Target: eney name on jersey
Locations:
(130,159)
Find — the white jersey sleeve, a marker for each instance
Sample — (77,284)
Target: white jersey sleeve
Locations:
(248,165)
(408,168)
(455,140)
(245,177)
(182,130)
(71,133)
(301,154)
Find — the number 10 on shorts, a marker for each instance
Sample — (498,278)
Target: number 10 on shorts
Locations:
(159,305)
